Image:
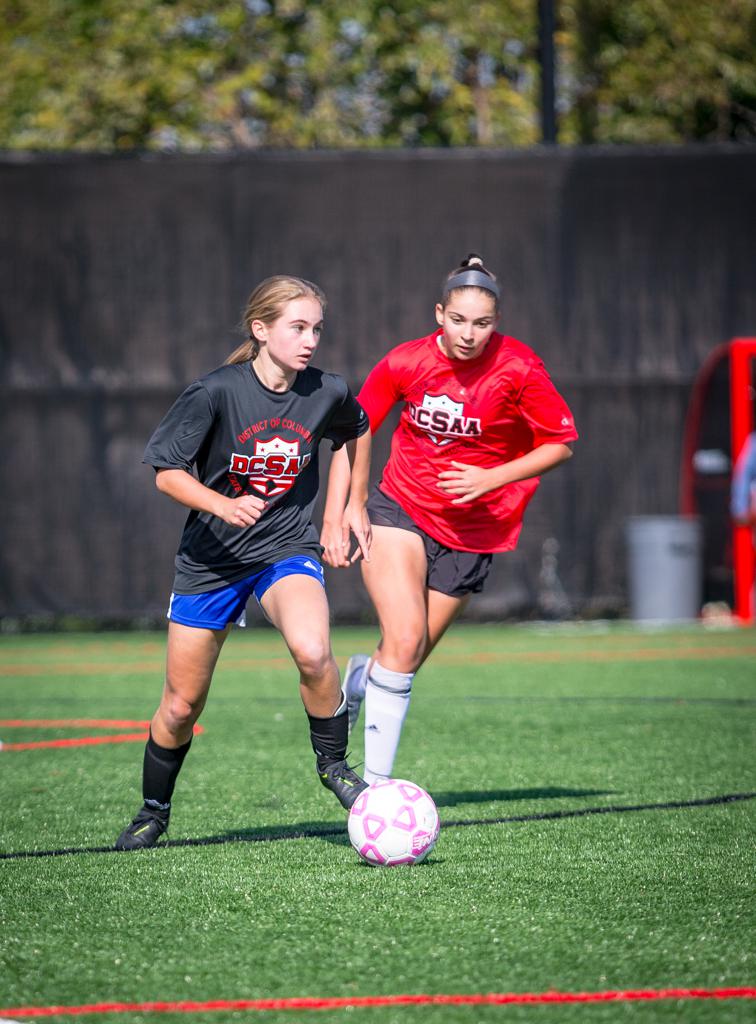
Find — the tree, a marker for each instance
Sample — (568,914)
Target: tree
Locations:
(101,74)
(655,71)
(234,74)
(179,74)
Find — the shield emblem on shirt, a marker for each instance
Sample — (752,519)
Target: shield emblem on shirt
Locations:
(446,405)
(276,464)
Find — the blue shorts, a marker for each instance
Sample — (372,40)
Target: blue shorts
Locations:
(214,609)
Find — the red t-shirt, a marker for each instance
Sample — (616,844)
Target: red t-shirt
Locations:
(481,412)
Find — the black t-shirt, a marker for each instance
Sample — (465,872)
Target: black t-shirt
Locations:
(243,438)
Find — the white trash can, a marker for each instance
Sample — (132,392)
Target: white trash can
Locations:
(664,567)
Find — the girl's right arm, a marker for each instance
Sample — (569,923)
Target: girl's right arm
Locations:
(188,491)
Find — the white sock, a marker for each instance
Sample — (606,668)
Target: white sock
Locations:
(387,697)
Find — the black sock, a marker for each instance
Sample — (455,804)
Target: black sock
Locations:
(329,737)
(161,768)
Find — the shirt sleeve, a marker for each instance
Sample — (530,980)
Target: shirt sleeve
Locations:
(347,421)
(742,494)
(182,431)
(544,410)
(379,393)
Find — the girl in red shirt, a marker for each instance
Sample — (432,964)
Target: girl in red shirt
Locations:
(481,422)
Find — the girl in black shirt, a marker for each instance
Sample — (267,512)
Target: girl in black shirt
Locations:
(250,430)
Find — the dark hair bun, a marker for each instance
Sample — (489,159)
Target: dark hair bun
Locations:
(472,260)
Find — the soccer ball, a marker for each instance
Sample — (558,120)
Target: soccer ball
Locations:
(393,822)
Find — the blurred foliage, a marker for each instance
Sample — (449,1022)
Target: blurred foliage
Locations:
(234,74)
(219,74)
(658,71)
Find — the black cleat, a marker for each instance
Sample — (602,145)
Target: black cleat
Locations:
(144,831)
(343,781)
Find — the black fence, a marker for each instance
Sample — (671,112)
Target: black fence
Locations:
(123,279)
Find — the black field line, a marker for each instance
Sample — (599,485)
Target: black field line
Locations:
(495,699)
(319,833)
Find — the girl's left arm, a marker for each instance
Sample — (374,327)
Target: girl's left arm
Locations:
(471,482)
(348,476)
(351,466)
(334,536)
(355,513)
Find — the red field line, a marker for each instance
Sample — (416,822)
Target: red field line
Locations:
(482,657)
(471,999)
(72,723)
(639,654)
(78,723)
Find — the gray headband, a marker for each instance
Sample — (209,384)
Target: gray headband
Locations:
(472,279)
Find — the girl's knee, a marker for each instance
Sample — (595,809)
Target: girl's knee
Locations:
(405,648)
(178,713)
(313,657)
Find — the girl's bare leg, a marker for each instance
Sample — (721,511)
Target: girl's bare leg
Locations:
(412,620)
(442,611)
(395,580)
(192,655)
(298,608)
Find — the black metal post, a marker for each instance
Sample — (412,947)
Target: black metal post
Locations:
(546,56)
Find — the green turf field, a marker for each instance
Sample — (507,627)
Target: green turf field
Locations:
(515,731)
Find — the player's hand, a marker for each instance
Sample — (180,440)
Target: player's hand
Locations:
(467,482)
(243,511)
(357,520)
(334,538)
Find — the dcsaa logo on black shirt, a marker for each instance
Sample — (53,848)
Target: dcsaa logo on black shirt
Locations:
(273,467)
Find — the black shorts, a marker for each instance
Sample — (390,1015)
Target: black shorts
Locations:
(451,572)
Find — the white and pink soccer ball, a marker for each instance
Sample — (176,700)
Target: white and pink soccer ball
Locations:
(393,822)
